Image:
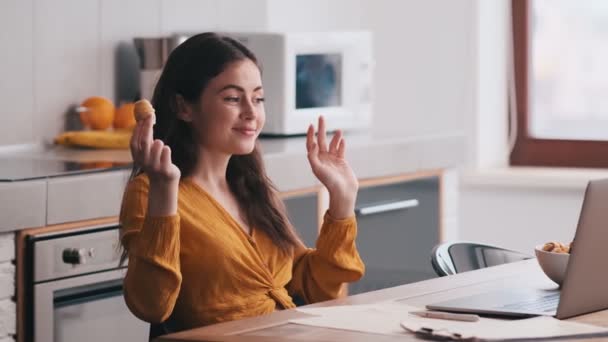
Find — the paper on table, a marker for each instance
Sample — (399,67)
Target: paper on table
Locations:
(342,309)
(530,328)
(387,317)
(380,318)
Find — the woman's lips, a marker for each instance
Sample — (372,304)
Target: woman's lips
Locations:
(246,131)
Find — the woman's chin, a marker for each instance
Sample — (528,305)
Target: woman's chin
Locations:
(244,148)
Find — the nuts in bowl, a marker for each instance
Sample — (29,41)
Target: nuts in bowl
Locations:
(557,247)
(553,259)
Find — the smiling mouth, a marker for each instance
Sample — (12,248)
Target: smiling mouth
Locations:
(246,131)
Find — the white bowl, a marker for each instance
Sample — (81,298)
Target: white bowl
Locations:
(553,264)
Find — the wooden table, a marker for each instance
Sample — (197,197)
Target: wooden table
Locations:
(274,327)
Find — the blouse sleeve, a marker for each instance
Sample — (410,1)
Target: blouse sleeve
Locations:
(153,278)
(318,274)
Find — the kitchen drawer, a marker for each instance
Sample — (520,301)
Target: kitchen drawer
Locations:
(22,205)
(84,197)
(398,225)
(303,214)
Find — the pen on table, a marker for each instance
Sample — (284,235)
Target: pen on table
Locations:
(446,315)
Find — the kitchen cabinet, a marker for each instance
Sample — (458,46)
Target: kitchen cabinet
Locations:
(82,197)
(398,221)
(303,212)
(28,198)
(398,225)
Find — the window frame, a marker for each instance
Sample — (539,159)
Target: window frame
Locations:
(529,151)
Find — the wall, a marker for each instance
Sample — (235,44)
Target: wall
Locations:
(62,51)
(55,53)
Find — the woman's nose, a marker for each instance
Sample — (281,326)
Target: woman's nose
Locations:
(249,111)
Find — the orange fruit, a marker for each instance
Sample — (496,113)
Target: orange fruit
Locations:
(124,117)
(96,112)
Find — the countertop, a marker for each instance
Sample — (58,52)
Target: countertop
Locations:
(34,203)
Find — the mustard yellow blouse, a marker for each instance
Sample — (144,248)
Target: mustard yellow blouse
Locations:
(199,267)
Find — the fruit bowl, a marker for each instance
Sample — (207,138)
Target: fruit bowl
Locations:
(553,264)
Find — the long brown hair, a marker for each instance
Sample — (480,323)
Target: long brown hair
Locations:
(187,72)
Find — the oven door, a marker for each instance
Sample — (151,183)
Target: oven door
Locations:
(85,308)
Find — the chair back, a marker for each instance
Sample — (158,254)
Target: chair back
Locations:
(455,257)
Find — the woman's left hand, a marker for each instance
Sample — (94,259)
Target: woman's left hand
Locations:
(332,170)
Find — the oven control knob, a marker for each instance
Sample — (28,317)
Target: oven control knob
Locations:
(74,256)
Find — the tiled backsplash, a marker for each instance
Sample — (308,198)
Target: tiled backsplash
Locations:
(55,53)
(58,52)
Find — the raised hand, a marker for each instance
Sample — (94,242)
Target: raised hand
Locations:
(152,155)
(332,170)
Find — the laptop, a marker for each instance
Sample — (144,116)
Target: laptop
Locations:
(585,282)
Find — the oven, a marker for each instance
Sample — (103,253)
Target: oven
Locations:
(75,288)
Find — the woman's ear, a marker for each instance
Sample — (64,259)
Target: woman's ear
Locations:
(184,109)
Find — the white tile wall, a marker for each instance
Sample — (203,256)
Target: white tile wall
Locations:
(58,52)
(66,60)
(237,15)
(121,21)
(189,15)
(317,15)
(62,51)
(16,83)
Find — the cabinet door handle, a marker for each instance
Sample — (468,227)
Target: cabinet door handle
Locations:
(385,207)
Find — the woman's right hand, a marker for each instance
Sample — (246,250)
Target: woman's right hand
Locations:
(152,155)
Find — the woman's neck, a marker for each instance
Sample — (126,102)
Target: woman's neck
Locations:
(210,170)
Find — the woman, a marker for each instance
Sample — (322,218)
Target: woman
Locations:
(206,234)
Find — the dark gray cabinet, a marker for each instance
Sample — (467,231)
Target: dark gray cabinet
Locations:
(303,214)
(398,225)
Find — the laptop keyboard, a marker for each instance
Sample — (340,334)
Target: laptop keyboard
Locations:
(544,304)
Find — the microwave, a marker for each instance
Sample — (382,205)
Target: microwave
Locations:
(310,74)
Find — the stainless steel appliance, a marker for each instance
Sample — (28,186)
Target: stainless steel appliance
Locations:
(153,53)
(75,290)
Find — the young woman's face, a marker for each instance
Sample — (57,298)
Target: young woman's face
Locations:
(230,113)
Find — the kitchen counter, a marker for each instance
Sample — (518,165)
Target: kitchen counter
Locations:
(39,202)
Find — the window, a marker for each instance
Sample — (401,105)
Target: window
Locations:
(561,82)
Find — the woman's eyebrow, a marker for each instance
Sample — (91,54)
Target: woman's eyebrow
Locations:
(236,87)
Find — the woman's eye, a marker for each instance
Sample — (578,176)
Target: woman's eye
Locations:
(232,99)
(260,100)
